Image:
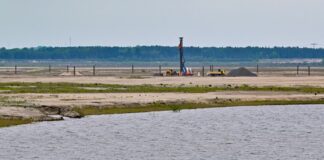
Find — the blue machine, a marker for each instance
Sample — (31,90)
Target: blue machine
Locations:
(184,71)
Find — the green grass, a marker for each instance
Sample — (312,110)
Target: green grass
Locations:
(19,87)
(84,111)
(13,122)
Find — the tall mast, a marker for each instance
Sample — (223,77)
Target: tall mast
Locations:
(181,54)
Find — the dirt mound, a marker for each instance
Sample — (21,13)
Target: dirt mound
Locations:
(71,74)
(241,72)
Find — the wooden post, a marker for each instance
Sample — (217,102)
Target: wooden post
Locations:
(73,70)
(67,68)
(203,71)
(309,71)
(212,68)
(298,69)
(160,69)
(15,69)
(257,68)
(132,68)
(94,70)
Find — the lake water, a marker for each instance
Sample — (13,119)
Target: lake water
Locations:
(252,133)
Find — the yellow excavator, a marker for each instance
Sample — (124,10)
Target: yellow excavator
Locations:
(171,72)
(219,72)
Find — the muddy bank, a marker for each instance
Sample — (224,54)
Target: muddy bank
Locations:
(37,113)
(25,113)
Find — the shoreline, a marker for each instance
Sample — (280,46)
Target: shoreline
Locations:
(28,99)
(95,110)
(86,111)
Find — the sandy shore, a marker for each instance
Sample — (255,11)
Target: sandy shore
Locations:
(124,99)
(317,81)
(40,106)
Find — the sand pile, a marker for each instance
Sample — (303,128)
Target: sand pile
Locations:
(241,72)
(70,74)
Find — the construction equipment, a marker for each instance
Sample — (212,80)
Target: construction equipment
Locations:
(184,71)
(171,72)
(219,72)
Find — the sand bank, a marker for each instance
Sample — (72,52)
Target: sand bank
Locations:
(317,81)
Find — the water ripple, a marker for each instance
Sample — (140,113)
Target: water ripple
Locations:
(269,132)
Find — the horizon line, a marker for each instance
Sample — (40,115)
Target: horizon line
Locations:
(132,46)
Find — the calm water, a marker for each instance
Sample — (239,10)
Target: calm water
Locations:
(270,132)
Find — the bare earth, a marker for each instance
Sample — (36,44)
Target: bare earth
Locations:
(126,99)
(317,81)
(20,112)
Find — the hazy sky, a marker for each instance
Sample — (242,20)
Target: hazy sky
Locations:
(29,23)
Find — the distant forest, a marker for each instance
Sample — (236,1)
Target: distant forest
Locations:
(158,53)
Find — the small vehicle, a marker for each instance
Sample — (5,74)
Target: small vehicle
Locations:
(217,73)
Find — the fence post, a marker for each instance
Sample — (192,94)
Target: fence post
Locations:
(94,70)
(67,68)
(15,69)
(160,69)
(257,68)
(132,68)
(298,69)
(203,71)
(73,70)
(309,71)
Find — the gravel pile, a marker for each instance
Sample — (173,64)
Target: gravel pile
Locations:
(241,72)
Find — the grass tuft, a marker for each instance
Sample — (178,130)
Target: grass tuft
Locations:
(13,122)
(92,110)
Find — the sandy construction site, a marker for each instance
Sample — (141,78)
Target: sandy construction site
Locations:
(317,81)
(70,100)
(267,76)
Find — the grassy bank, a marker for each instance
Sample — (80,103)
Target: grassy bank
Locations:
(84,111)
(13,122)
(92,110)
(110,88)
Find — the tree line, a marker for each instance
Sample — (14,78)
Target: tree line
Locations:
(159,53)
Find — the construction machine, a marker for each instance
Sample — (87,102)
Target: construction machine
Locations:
(184,71)
(219,72)
(171,72)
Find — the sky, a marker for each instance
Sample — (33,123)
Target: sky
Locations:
(204,23)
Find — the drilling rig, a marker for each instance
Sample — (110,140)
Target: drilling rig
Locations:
(182,61)
(184,71)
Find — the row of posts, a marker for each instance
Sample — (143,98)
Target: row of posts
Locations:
(211,68)
(68,69)
(308,69)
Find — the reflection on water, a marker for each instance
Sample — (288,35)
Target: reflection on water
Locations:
(270,132)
